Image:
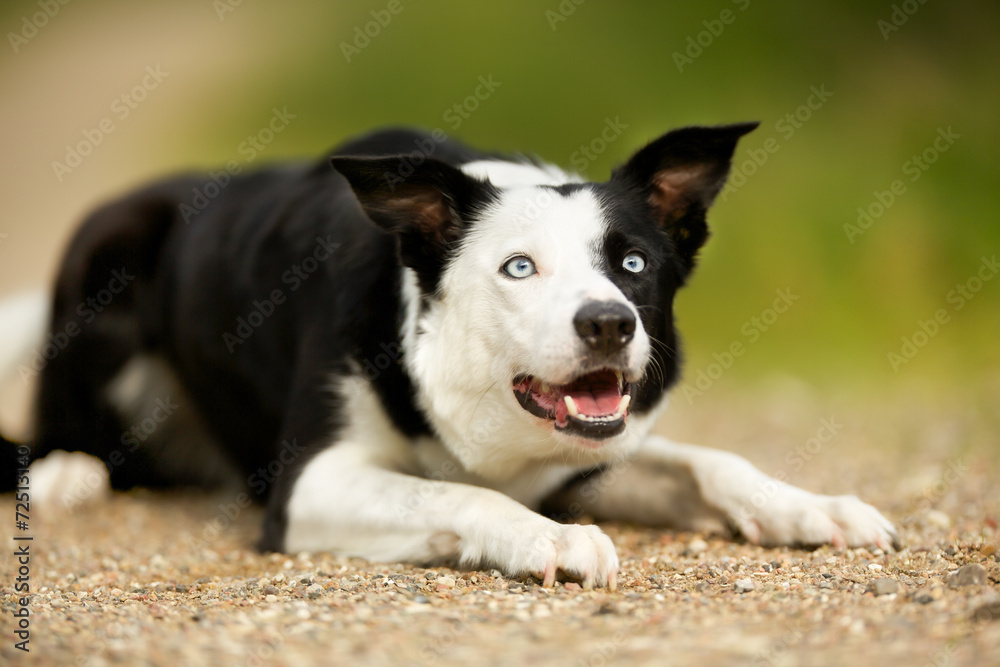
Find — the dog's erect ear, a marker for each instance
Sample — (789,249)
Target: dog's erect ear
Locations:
(425,205)
(680,174)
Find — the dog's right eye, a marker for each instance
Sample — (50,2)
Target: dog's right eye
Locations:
(519,267)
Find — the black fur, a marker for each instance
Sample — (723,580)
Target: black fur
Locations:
(196,287)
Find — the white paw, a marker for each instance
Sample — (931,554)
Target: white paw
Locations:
(581,552)
(771,512)
(794,516)
(66,480)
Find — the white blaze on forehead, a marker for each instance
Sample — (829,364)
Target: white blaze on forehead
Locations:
(561,233)
(505,174)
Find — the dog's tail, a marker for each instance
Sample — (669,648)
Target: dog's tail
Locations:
(23,322)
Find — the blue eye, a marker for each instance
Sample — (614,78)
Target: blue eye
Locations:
(519,267)
(634,262)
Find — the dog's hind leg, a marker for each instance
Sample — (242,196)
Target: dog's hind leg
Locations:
(98,323)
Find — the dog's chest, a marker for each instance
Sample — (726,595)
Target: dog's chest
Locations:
(529,485)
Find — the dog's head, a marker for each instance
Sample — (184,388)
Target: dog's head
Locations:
(537,302)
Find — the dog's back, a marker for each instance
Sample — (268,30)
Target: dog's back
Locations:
(161,295)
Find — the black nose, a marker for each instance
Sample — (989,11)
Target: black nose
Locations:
(605,326)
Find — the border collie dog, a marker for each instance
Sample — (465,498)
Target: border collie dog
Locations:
(411,351)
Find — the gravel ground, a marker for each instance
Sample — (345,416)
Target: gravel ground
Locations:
(169,579)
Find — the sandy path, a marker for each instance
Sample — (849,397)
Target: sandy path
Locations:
(167,579)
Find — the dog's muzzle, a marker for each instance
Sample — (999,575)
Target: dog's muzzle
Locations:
(593,406)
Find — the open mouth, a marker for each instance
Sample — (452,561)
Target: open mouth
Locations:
(593,406)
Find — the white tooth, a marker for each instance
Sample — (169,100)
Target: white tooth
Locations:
(571,406)
(623,406)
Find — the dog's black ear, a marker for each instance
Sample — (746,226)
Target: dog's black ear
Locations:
(425,205)
(679,175)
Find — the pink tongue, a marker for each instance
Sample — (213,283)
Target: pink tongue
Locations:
(596,403)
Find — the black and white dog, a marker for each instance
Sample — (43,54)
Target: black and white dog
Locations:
(412,350)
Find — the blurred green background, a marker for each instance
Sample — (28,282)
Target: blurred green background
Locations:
(563,68)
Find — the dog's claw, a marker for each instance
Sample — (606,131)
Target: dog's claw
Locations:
(549,580)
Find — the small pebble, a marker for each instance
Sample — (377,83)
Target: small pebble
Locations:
(572,586)
(447,582)
(928,595)
(271,598)
(271,590)
(883,586)
(697,546)
(973,574)
(744,585)
(875,567)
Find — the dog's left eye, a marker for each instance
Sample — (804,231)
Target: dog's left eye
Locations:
(519,267)
(634,262)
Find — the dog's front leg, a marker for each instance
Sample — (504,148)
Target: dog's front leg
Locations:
(697,488)
(348,505)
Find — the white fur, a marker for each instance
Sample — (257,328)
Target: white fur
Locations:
(23,321)
(363,498)
(63,481)
(470,494)
(505,174)
(465,350)
(768,511)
